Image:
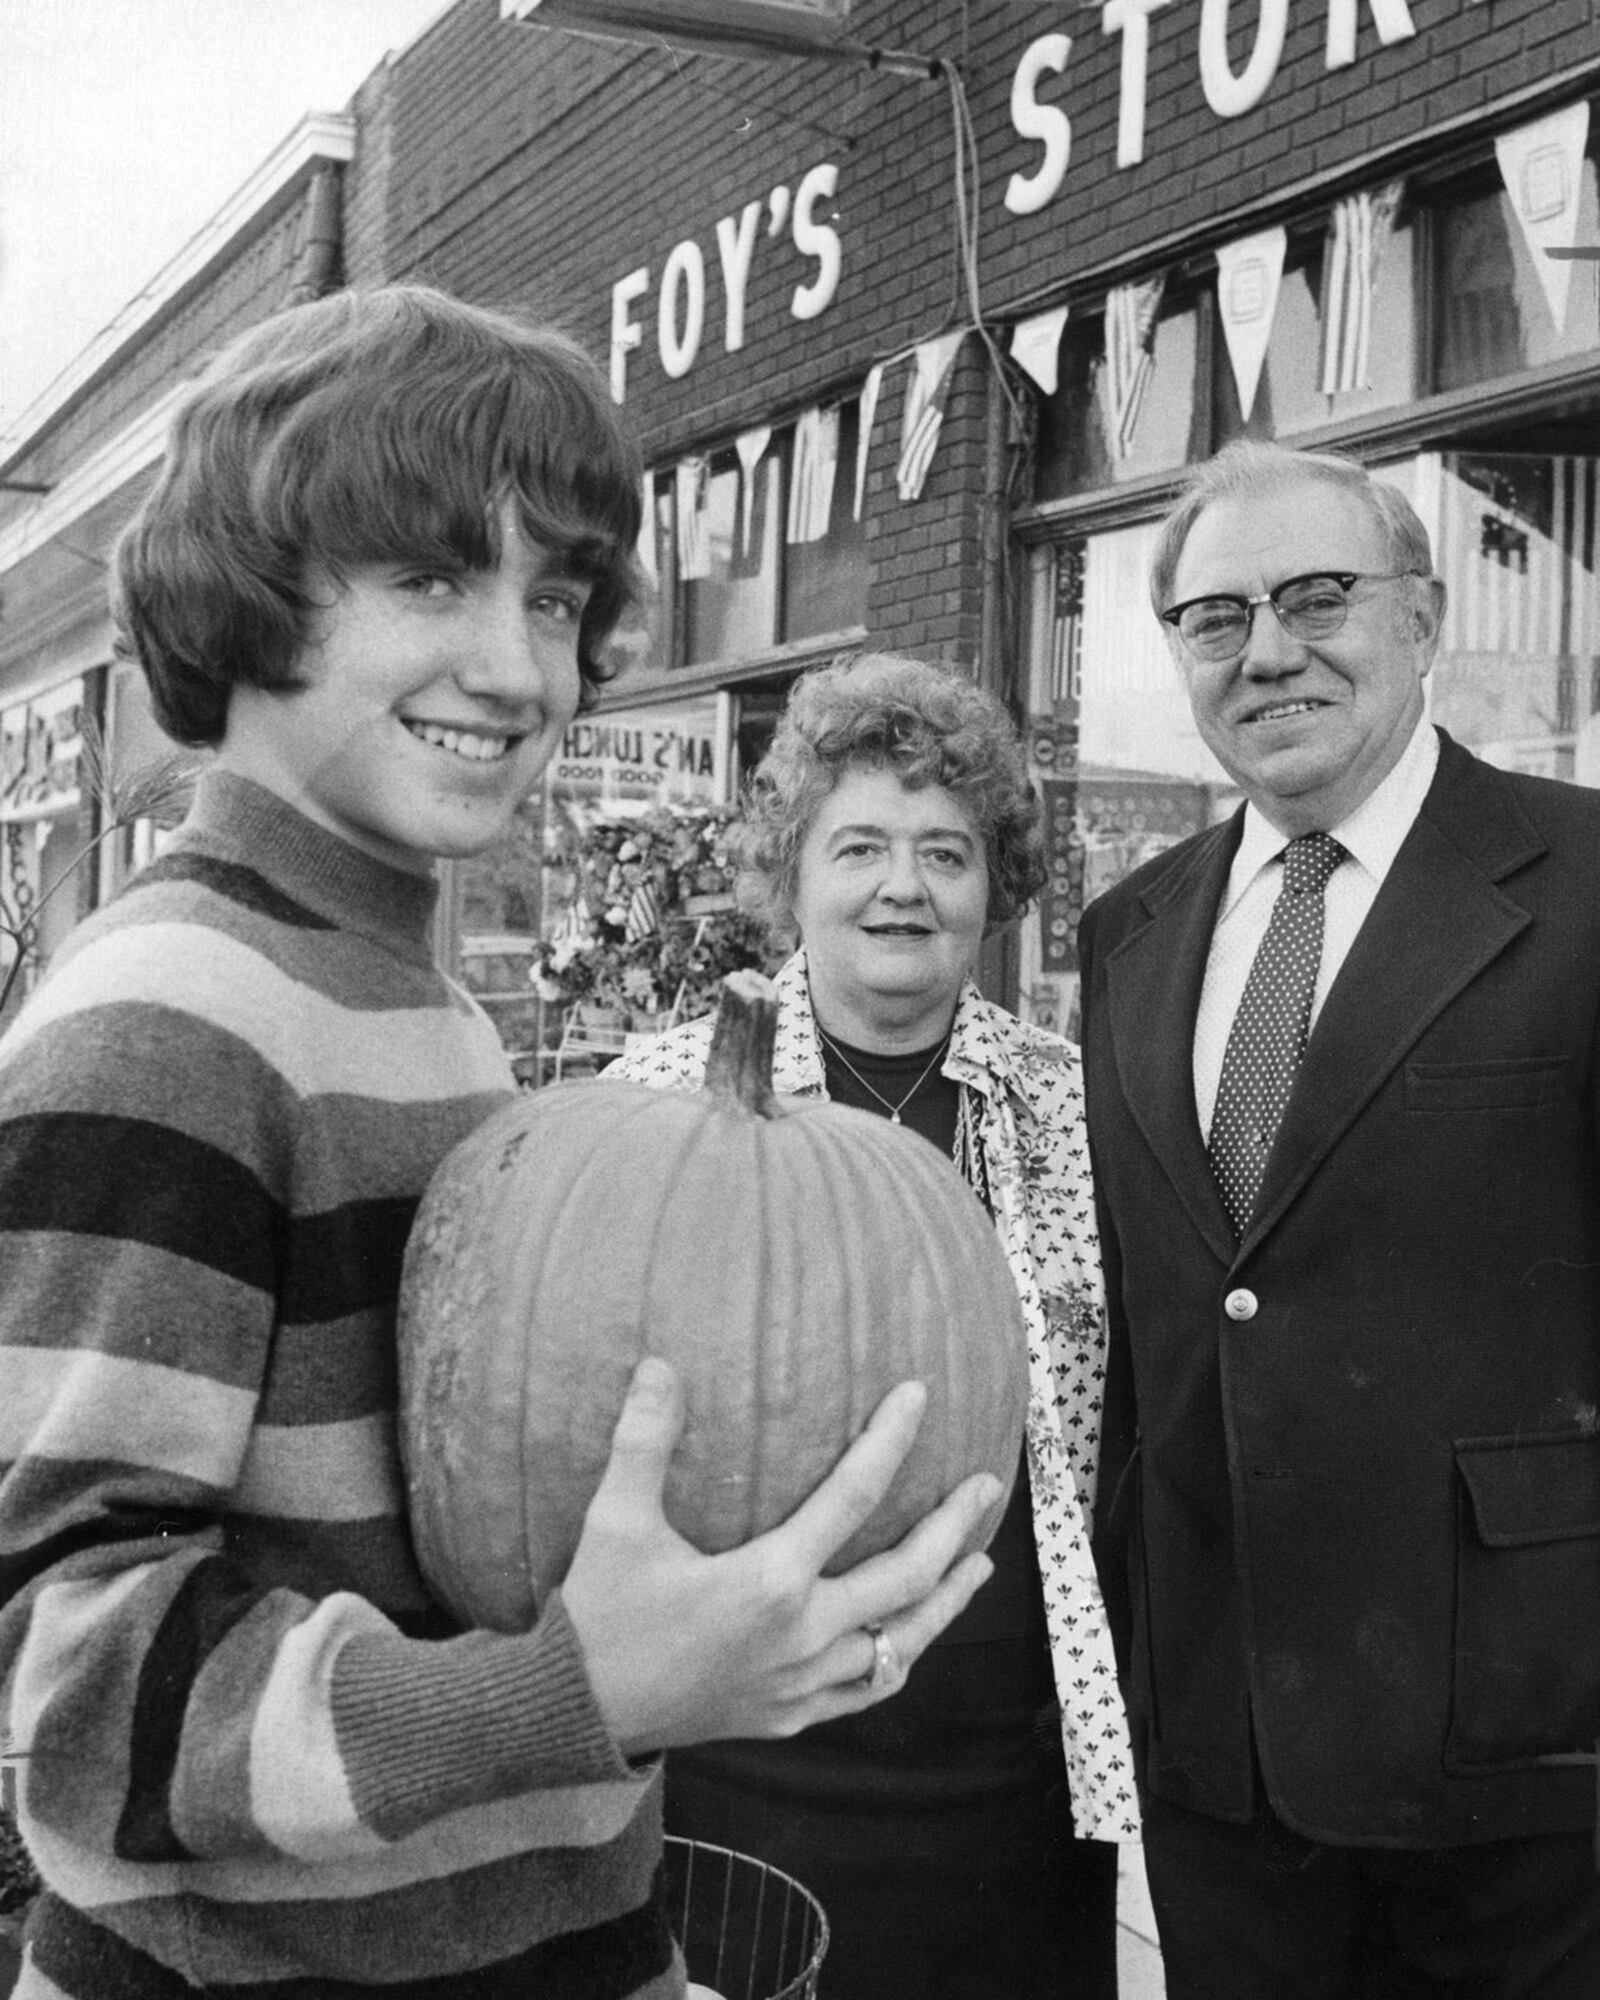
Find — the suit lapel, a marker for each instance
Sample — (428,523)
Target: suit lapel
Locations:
(1439,919)
(1153,986)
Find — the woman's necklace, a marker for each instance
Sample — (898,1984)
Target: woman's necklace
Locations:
(894,1110)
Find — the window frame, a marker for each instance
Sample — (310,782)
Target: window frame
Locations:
(679,675)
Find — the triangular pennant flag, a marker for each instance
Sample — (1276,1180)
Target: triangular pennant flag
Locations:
(1542,165)
(1036,345)
(646,551)
(927,391)
(811,476)
(1131,312)
(1249,273)
(750,445)
(694,533)
(864,421)
(1357,230)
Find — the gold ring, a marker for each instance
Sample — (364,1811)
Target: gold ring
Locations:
(886,1671)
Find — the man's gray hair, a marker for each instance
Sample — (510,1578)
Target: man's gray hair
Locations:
(1248,467)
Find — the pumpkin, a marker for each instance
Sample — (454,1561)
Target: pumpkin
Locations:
(793,1262)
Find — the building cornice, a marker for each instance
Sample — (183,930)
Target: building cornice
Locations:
(323,136)
(92,480)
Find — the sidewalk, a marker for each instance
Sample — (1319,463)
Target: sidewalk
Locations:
(1138,1956)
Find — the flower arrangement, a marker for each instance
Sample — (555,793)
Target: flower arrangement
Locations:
(651,920)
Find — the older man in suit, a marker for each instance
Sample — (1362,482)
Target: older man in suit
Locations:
(1341,1057)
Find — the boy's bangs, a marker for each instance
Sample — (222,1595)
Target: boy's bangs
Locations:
(422,475)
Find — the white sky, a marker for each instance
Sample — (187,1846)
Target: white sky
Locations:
(126,124)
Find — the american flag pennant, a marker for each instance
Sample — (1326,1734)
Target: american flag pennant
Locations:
(644,913)
(864,420)
(1130,359)
(1357,230)
(690,481)
(811,477)
(927,392)
(750,445)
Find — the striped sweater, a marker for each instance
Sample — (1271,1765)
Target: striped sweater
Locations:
(251,1752)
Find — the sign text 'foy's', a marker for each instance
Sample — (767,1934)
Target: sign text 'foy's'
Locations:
(681,296)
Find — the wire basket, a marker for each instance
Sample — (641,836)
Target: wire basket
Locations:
(748,1931)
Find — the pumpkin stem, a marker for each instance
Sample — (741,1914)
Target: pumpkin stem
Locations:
(739,1067)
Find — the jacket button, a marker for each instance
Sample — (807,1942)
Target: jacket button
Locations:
(1241,1304)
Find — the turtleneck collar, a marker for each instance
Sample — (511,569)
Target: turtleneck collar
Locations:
(247,823)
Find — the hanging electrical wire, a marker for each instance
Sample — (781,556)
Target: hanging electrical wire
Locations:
(967,192)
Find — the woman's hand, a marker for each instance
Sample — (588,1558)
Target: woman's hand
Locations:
(683,1647)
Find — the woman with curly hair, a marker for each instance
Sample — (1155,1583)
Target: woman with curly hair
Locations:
(955,1835)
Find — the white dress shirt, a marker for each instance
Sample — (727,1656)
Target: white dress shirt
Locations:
(1371,836)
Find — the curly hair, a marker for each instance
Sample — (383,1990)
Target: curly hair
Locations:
(377,426)
(928,724)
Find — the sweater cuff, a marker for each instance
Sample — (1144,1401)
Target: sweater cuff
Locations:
(426,1729)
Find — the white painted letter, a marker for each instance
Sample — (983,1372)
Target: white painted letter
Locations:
(1027,193)
(1392,19)
(816,239)
(685,267)
(1227,94)
(736,246)
(625,333)
(1131,20)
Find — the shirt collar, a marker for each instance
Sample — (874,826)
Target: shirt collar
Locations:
(1371,835)
(976,1055)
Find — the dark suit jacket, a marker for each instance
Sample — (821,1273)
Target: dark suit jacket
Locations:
(1351,1471)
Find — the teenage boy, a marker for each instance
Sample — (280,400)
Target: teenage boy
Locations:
(391,536)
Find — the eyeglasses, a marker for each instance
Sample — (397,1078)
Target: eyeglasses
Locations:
(1215,629)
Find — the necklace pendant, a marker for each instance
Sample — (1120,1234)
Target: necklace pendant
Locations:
(894,1118)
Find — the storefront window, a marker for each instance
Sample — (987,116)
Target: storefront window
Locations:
(733,610)
(1120,766)
(826,582)
(1516,538)
(673,753)
(143,756)
(1497,315)
(757,707)
(566,873)
(46,827)
(751,587)
(1076,453)
(497,917)
(648,636)
(1289,395)
(638,921)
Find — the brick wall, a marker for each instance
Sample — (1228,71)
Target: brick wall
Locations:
(537,169)
(540,168)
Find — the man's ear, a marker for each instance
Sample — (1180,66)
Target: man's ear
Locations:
(1427,612)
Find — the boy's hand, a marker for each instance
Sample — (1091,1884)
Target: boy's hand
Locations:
(683,1647)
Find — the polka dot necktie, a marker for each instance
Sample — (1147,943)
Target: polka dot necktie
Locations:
(1268,1036)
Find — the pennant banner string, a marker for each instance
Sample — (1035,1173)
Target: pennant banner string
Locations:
(1131,314)
(927,391)
(1249,274)
(1542,165)
(750,446)
(1357,231)
(864,420)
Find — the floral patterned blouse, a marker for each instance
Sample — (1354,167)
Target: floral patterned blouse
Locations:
(1029,1090)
